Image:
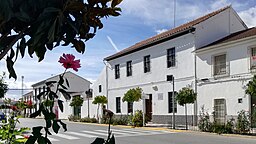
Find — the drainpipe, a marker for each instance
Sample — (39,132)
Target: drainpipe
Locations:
(106,64)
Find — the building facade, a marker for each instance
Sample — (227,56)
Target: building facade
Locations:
(147,64)
(77,87)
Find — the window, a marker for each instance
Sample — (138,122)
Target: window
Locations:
(146,63)
(118,105)
(220,110)
(253,58)
(220,66)
(171,103)
(171,57)
(100,89)
(117,71)
(129,68)
(130,107)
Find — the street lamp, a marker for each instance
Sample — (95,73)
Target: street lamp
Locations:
(170,78)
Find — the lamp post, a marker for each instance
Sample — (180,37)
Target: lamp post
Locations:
(170,78)
(22,84)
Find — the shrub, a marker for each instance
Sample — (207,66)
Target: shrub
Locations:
(74,118)
(122,120)
(137,119)
(204,123)
(88,120)
(94,120)
(243,123)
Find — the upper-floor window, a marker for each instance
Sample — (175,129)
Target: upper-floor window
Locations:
(146,63)
(129,68)
(117,71)
(171,57)
(220,66)
(100,88)
(253,58)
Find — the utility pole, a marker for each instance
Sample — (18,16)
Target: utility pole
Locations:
(22,85)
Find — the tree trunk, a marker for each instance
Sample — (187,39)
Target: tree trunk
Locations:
(186,117)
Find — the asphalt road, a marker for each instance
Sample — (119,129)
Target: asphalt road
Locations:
(85,134)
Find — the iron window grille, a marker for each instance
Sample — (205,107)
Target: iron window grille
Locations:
(117,71)
(146,63)
(129,68)
(171,58)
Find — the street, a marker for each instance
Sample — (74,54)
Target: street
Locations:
(85,134)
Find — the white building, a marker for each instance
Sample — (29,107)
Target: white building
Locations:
(223,70)
(147,64)
(78,87)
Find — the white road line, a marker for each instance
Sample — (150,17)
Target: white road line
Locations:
(52,139)
(82,134)
(105,131)
(66,136)
(97,133)
(127,131)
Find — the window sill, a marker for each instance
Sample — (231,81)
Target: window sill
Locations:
(220,76)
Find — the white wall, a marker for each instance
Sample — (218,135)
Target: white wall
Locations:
(230,87)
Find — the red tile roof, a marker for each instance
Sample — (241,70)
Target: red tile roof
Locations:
(235,36)
(164,35)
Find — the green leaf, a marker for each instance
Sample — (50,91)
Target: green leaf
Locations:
(67,82)
(36,131)
(22,47)
(39,95)
(51,32)
(12,53)
(31,140)
(47,130)
(80,46)
(50,82)
(115,3)
(111,141)
(61,81)
(48,123)
(35,114)
(98,141)
(41,140)
(65,94)
(60,103)
(55,126)
(10,68)
(64,126)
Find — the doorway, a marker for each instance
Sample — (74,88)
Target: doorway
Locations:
(149,108)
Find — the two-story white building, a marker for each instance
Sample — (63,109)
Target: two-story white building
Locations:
(77,87)
(224,68)
(147,64)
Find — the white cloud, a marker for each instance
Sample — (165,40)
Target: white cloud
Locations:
(161,31)
(249,16)
(219,3)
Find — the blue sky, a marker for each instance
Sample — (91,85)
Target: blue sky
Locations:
(140,20)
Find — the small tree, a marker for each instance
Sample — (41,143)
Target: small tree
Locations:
(186,96)
(76,102)
(251,90)
(100,100)
(132,95)
(3,86)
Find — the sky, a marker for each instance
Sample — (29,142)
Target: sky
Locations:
(139,20)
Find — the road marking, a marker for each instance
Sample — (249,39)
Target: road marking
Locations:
(66,136)
(52,139)
(105,131)
(127,131)
(82,134)
(97,133)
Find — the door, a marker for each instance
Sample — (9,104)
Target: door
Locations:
(149,108)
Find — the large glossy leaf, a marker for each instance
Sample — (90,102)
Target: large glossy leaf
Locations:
(115,3)
(60,103)
(22,47)
(55,126)
(98,141)
(31,140)
(64,126)
(10,63)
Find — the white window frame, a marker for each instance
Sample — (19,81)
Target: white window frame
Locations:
(213,65)
(220,111)
(251,67)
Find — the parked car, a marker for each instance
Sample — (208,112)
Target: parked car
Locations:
(2,116)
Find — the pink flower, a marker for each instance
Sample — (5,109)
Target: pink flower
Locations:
(26,136)
(68,61)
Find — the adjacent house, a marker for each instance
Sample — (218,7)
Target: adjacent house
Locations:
(189,54)
(78,87)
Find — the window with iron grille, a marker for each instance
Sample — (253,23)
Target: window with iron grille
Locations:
(171,57)
(118,105)
(117,71)
(130,107)
(129,68)
(146,63)
(220,66)
(100,88)
(171,103)
(253,58)
(220,110)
